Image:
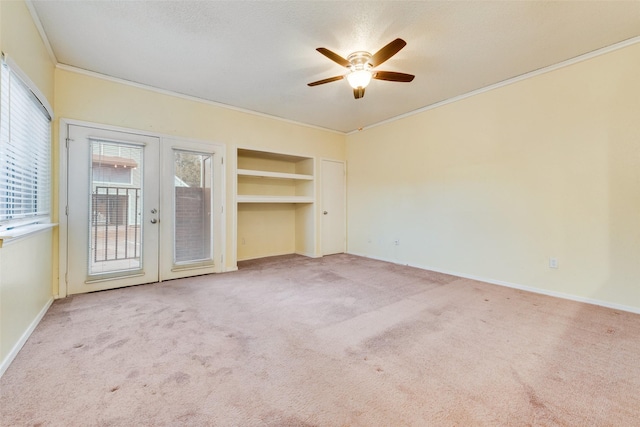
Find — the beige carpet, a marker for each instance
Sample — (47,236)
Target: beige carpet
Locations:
(337,341)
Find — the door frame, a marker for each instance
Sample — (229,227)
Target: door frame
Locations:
(81,188)
(63,180)
(321,204)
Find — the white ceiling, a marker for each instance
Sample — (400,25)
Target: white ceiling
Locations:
(260,55)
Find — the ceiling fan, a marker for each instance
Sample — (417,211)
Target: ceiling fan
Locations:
(361,64)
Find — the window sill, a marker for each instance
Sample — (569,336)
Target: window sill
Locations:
(11,236)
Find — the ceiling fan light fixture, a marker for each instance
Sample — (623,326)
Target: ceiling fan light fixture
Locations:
(360,67)
(359,78)
(361,64)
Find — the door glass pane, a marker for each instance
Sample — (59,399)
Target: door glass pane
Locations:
(192,207)
(116,207)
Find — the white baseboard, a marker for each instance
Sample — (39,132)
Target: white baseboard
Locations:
(535,290)
(272,255)
(23,339)
(308,255)
(260,257)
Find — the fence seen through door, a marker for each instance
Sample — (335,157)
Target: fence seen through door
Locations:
(115,227)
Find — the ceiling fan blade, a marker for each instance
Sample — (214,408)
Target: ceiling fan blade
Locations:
(333,56)
(358,92)
(387,52)
(323,81)
(393,76)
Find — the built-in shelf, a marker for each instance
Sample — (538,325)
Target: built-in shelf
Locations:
(274,199)
(277,175)
(266,177)
(275,209)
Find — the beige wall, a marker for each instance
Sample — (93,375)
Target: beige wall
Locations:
(25,287)
(89,98)
(26,264)
(493,185)
(266,230)
(21,41)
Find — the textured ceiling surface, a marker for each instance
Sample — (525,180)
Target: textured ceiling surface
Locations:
(260,55)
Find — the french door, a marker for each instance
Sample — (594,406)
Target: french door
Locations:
(139,209)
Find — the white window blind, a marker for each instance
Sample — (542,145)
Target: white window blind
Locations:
(25,153)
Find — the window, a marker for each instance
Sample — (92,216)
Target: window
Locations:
(25,153)
(111,174)
(113,163)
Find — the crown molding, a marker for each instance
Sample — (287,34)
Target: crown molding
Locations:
(525,76)
(188,97)
(43,35)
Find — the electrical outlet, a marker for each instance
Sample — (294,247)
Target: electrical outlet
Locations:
(396,242)
(244,242)
(553,262)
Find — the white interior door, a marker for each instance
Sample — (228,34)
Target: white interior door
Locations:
(333,207)
(113,209)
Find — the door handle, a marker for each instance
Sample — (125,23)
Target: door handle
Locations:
(325,213)
(153,220)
